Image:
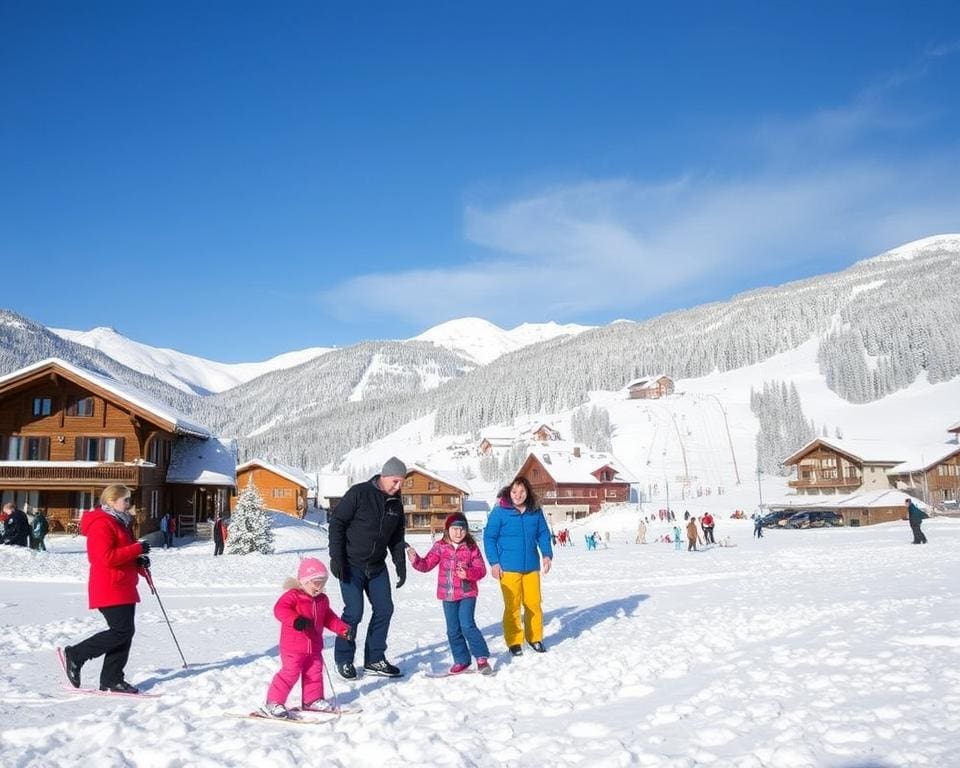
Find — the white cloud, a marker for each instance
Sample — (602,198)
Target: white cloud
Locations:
(611,246)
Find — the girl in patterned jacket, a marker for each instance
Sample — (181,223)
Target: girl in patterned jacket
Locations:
(303,611)
(461,566)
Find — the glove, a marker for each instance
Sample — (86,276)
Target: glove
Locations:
(401,566)
(339,570)
(146,547)
(143,561)
(301,623)
(350,635)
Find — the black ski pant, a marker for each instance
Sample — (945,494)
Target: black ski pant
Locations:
(113,643)
(217,547)
(918,536)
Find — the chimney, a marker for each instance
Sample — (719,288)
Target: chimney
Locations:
(576,451)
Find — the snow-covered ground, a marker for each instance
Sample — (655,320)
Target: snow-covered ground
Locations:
(807,648)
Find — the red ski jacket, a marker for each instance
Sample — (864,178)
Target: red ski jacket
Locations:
(112,552)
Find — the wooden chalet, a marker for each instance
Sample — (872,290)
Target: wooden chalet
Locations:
(575,476)
(650,387)
(828,466)
(492,442)
(283,488)
(429,498)
(935,477)
(545,433)
(66,433)
(955,429)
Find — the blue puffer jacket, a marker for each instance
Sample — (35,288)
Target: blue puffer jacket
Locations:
(511,538)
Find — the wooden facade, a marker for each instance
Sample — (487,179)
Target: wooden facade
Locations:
(824,469)
(545,433)
(937,483)
(606,490)
(64,438)
(429,499)
(280,490)
(650,388)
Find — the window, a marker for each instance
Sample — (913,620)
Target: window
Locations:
(80,407)
(421,521)
(536,473)
(282,493)
(154,504)
(41,406)
(593,493)
(408,501)
(611,493)
(22,448)
(452,499)
(408,483)
(98,449)
(424,501)
(432,485)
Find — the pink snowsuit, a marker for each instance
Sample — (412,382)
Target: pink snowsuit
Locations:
(300,651)
(449,556)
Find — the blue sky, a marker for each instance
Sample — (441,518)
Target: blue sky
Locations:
(239,179)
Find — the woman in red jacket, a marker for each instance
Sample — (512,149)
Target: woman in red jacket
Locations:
(116,560)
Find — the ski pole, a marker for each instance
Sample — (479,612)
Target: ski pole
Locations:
(153,589)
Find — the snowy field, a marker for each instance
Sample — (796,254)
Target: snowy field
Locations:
(808,648)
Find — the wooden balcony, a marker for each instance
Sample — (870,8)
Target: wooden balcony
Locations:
(840,482)
(50,475)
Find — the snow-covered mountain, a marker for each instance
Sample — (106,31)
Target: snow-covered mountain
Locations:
(484,342)
(188,373)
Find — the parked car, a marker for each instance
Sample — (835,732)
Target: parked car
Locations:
(776,519)
(817,519)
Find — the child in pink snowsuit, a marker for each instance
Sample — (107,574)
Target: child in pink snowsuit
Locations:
(303,611)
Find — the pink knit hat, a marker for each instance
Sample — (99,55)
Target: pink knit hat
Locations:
(311,569)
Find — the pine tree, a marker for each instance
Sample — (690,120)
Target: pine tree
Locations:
(250,525)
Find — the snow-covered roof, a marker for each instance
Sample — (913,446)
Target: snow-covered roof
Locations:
(954,428)
(646,381)
(203,462)
(565,467)
(499,436)
(449,478)
(920,460)
(178,422)
(293,474)
(876,499)
(330,485)
(864,451)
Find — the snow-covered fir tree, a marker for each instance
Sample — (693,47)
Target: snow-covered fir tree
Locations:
(249,525)
(591,426)
(783,427)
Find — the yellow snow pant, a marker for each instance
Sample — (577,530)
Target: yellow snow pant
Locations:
(521,589)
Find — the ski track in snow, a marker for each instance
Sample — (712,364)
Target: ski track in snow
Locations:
(807,648)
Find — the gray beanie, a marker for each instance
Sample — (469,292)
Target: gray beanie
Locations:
(394,468)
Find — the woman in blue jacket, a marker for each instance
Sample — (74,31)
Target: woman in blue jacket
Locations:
(514,532)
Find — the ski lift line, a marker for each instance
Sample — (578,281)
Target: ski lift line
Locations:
(726,424)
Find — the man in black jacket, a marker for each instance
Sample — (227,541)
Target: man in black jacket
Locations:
(367,525)
(17,529)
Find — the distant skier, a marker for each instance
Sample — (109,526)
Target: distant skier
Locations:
(303,611)
(461,566)
(677,538)
(707,523)
(692,536)
(916,517)
(642,533)
(219,535)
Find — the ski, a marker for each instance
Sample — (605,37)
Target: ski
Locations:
(95,692)
(305,713)
(256,715)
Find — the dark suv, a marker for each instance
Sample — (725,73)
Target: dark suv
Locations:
(776,519)
(819,519)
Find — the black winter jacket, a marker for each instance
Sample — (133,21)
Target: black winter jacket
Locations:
(365,526)
(17,530)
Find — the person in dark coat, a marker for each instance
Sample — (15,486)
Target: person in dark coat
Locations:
(219,535)
(117,560)
(365,527)
(17,529)
(916,517)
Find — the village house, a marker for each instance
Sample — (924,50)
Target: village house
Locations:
(544,433)
(66,433)
(934,476)
(834,465)
(493,442)
(430,497)
(650,387)
(282,487)
(575,480)
(955,429)
(328,489)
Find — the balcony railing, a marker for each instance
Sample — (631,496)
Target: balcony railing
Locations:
(827,482)
(51,475)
